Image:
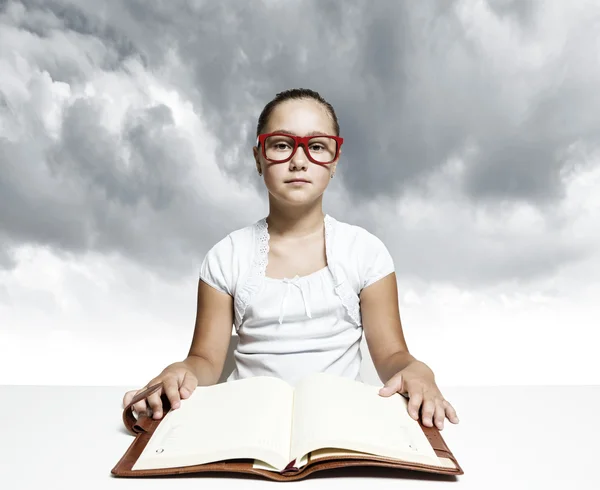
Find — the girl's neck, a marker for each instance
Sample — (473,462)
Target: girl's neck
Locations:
(295,222)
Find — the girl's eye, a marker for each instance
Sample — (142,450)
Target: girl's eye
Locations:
(317,147)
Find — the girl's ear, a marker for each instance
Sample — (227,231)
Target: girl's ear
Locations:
(337,160)
(338,157)
(257,160)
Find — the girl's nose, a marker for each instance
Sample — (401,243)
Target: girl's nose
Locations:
(299,160)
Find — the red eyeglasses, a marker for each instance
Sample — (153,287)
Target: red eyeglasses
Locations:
(281,147)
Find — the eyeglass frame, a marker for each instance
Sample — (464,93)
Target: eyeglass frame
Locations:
(300,140)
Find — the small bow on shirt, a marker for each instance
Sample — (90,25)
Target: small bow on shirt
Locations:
(299,285)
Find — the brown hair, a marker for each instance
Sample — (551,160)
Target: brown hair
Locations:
(295,93)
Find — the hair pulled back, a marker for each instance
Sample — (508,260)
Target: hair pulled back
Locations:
(295,94)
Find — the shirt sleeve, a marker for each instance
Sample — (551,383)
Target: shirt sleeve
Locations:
(376,261)
(216,269)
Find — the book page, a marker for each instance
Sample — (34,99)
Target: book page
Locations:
(329,453)
(248,418)
(335,412)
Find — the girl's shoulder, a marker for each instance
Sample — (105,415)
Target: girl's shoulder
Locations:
(228,259)
(235,241)
(362,255)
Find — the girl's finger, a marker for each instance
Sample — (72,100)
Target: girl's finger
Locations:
(170,385)
(188,385)
(427,411)
(414,403)
(450,412)
(394,385)
(156,405)
(128,397)
(440,413)
(140,407)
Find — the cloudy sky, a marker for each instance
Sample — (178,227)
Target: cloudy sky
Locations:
(471,149)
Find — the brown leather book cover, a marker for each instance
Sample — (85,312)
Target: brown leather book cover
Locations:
(144,426)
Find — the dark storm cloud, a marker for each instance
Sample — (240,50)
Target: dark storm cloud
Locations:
(126,191)
(521,10)
(411,88)
(411,83)
(89,197)
(44,19)
(7,261)
(152,174)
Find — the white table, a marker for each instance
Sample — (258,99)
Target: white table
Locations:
(509,437)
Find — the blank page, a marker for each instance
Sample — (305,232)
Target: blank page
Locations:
(336,412)
(247,418)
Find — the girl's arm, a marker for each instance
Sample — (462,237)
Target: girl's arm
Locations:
(212,334)
(397,368)
(206,357)
(382,327)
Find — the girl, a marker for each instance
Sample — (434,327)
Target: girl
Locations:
(299,286)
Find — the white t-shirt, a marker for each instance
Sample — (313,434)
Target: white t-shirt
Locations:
(290,328)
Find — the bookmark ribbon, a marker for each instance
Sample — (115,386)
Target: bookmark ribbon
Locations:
(290,468)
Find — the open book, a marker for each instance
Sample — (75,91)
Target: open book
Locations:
(265,426)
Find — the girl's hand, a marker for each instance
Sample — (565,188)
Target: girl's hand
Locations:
(417,380)
(179,382)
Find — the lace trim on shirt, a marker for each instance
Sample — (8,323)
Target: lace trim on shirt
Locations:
(253,283)
(343,289)
(257,272)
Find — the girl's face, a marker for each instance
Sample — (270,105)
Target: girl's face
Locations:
(298,117)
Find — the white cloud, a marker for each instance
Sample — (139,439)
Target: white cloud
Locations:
(86,310)
(492,292)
